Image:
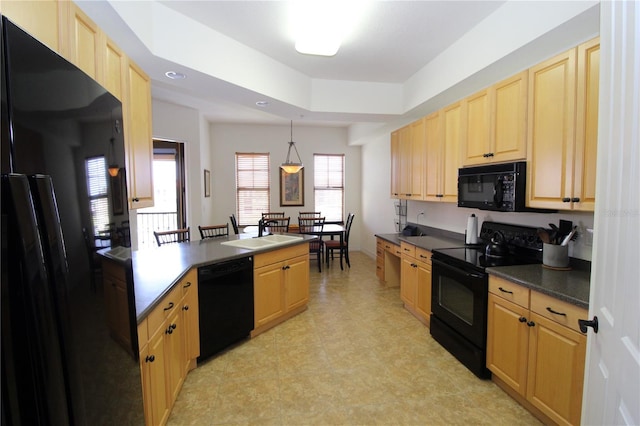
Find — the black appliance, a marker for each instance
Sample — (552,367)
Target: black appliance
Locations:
(225,304)
(59,364)
(499,187)
(460,288)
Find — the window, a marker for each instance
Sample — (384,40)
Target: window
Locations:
(328,185)
(96,168)
(252,186)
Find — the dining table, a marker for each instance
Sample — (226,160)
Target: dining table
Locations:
(331,230)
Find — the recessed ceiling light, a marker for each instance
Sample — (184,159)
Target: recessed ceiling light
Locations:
(173,75)
(262,104)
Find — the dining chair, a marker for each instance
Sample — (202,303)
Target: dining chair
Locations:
(269,215)
(95,261)
(173,236)
(309,214)
(213,231)
(277,224)
(234,223)
(313,225)
(332,245)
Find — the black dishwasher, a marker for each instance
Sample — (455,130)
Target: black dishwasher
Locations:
(225,301)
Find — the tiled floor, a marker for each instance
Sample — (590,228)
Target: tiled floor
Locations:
(355,357)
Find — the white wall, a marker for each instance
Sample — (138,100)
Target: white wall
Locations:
(227,139)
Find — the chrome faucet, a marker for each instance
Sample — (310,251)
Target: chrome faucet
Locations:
(262,224)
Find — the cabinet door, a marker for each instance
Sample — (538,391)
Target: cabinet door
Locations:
(423,290)
(509,126)
(380,259)
(556,370)
(584,191)
(139,141)
(408,280)
(45,20)
(85,47)
(395,164)
(452,140)
(268,293)
(416,172)
(552,86)
(114,70)
(404,145)
(152,365)
(433,155)
(507,342)
(191,321)
(296,282)
(477,145)
(175,350)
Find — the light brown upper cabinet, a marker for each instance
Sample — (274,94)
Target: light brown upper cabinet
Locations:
(139,143)
(496,123)
(407,161)
(46,20)
(562,130)
(85,47)
(114,77)
(444,134)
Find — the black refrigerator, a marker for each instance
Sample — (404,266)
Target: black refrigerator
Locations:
(61,132)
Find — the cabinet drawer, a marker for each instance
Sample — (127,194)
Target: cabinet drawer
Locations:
(391,248)
(408,249)
(189,281)
(143,333)
(164,309)
(423,255)
(509,291)
(557,310)
(279,255)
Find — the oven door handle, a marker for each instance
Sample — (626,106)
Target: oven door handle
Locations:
(458,271)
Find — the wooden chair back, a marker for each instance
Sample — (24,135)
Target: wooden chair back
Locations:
(234,223)
(213,231)
(278,224)
(173,236)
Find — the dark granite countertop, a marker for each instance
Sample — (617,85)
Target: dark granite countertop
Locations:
(156,271)
(571,286)
(427,242)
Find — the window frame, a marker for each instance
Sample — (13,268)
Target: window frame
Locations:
(100,197)
(328,184)
(245,216)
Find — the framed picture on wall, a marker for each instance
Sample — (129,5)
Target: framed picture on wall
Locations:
(292,188)
(207,183)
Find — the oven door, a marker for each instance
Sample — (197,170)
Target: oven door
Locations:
(459,299)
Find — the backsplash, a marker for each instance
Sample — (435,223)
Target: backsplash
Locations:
(452,218)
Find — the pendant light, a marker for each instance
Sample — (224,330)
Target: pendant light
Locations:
(290,166)
(114,169)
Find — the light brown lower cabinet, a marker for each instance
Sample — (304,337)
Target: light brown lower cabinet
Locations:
(415,281)
(535,350)
(280,285)
(168,338)
(388,262)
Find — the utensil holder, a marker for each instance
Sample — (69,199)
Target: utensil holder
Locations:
(554,255)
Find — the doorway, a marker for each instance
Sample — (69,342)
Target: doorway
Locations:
(169,209)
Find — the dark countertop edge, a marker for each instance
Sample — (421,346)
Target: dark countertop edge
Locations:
(500,272)
(427,242)
(143,311)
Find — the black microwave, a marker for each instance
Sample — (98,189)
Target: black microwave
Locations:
(499,187)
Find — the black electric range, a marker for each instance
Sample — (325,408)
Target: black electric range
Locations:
(460,288)
(522,243)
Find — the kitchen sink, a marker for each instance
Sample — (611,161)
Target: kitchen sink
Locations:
(262,242)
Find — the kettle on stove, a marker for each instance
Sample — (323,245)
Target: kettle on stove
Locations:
(497,247)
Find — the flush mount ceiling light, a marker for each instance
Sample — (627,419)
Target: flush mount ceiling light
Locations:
(289,166)
(262,104)
(173,75)
(319,27)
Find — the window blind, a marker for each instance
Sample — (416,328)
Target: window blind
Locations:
(328,183)
(252,187)
(96,169)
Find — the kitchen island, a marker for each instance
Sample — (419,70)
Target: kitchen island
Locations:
(163,284)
